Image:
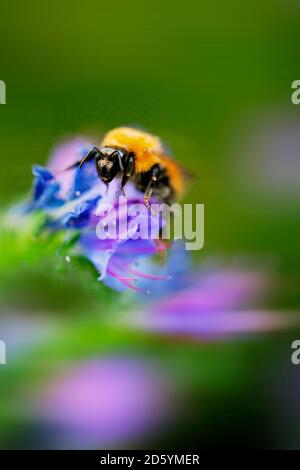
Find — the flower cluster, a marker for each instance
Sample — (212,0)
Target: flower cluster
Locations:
(71,201)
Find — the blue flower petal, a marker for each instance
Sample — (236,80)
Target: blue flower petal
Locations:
(45,190)
(85,178)
(42,177)
(79,217)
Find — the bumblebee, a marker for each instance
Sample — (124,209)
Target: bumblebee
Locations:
(134,155)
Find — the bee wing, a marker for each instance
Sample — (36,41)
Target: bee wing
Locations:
(187,174)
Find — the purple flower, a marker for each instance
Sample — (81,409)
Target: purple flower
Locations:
(214,304)
(104,403)
(74,199)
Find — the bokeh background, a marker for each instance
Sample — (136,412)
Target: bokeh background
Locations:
(213,79)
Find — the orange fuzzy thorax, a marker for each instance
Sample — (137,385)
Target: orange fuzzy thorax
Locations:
(142,144)
(148,151)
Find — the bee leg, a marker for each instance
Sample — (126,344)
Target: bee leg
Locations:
(150,186)
(128,169)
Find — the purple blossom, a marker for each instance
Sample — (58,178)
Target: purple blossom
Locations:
(73,199)
(219,303)
(104,403)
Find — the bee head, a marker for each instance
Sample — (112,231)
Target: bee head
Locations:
(109,163)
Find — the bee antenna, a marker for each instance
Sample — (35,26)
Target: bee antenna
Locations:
(90,156)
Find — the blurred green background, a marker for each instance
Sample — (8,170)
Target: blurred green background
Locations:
(212,79)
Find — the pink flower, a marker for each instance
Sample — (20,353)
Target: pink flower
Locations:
(212,305)
(104,403)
